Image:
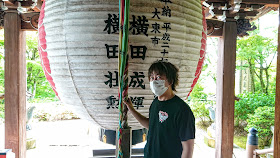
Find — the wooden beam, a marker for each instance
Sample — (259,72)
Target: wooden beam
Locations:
(276,152)
(10,2)
(15,85)
(260,2)
(37,8)
(232,14)
(27,3)
(30,21)
(214,28)
(273,6)
(246,1)
(210,1)
(225,91)
(27,27)
(236,5)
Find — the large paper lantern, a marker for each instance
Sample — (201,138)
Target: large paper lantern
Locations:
(78,44)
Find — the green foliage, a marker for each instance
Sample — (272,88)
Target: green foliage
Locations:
(37,85)
(254,48)
(257,53)
(240,141)
(248,103)
(2,76)
(197,92)
(2,111)
(36,81)
(262,120)
(198,102)
(2,61)
(200,111)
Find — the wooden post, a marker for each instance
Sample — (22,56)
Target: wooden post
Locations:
(276,152)
(126,143)
(225,91)
(15,85)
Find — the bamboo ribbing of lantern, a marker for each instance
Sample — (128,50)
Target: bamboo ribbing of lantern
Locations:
(123,69)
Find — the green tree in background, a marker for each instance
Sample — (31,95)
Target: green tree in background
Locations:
(37,85)
(198,104)
(262,120)
(258,53)
(2,61)
(247,105)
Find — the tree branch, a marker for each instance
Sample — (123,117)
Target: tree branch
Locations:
(271,60)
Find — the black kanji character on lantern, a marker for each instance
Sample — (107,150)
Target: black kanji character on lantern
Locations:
(138,51)
(166,37)
(166,26)
(137,79)
(112,102)
(112,51)
(137,101)
(111,79)
(166,1)
(112,24)
(164,52)
(156,27)
(133,25)
(155,40)
(166,11)
(156,14)
(140,25)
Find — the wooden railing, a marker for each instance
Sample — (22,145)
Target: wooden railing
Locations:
(261,152)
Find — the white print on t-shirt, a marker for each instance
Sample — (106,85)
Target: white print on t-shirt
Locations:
(162,116)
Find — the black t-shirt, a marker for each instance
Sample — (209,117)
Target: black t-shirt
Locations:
(170,122)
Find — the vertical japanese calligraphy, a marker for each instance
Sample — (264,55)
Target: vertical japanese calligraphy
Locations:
(166,38)
(112,24)
(139,25)
(113,102)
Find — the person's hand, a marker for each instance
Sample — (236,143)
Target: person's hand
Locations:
(128,103)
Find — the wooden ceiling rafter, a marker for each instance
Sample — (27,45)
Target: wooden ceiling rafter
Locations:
(242,6)
(263,2)
(242,11)
(29,19)
(13,4)
(231,9)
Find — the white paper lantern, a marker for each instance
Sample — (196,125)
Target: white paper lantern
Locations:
(78,44)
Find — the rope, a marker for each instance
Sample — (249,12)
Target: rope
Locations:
(123,69)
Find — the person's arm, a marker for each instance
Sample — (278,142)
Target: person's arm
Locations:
(144,121)
(187,148)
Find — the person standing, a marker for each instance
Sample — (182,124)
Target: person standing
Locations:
(171,122)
